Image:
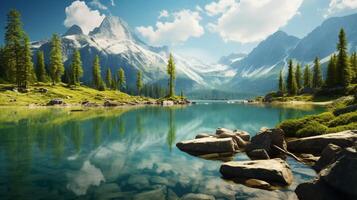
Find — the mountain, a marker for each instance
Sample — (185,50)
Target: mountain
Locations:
(231,58)
(258,71)
(117,46)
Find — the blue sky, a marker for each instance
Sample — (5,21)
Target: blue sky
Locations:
(207,29)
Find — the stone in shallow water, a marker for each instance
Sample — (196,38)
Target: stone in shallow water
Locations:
(273,171)
(258,154)
(207,145)
(255,183)
(157,194)
(192,196)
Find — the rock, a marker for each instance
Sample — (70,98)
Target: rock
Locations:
(316,190)
(89,104)
(192,196)
(55,102)
(159,180)
(223,130)
(159,194)
(328,156)
(207,145)
(342,175)
(255,183)
(316,144)
(171,195)
(273,171)
(111,104)
(107,188)
(265,139)
(242,134)
(258,154)
(23,90)
(167,103)
(202,135)
(42,90)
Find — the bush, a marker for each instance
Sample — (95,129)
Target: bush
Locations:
(292,126)
(344,119)
(311,129)
(351,126)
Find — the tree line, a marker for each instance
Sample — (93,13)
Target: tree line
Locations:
(16,65)
(341,72)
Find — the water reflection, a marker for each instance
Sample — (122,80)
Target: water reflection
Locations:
(56,154)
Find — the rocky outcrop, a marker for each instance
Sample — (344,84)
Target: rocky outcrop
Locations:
(56,102)
(273,171)
(337,180)
(266,139)
(207,145)
(315,144)
(328,156)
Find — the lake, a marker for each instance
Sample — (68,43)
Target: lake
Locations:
(128,153)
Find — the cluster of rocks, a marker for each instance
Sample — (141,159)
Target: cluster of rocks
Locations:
(266,149)
(334,158)
(336,166)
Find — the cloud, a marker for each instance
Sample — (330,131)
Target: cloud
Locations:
(112,2)
(339,6)
(251,20)
(98,4)
(78,13)
(163,14)
(186,24)
(219,7)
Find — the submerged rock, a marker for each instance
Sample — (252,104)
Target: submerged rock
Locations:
(159,193)
(273,171)
(207,145)
(192,196)
(316,144)
(266,139)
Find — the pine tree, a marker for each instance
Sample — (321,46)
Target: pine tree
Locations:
(108,78)
(25,71)
(171,72)
(298,76)
(343,65)
(40,68)
(353,61)
(281,83)
(317,76)
(121,79)
(2,64)
(97,79)
(76,68)
(307,77)
(331,79)
(139,82)
(291,81)
(13,45)
(56,62)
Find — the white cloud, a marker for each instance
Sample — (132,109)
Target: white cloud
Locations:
(198,8)
(219,7)
(338,6)
(112,2)
(252,20)
(80,14)
(163,14)
(98,4)
(186,24)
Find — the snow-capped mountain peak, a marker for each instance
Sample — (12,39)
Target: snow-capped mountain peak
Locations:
(74,30)
(113,28)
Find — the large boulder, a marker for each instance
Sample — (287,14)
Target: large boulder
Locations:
(207,145)
(316,190)
(273,171)
(258,154)
(342,175)
(328,156)
(266,139)
(315,144)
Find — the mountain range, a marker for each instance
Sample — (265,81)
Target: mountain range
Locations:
(254,73)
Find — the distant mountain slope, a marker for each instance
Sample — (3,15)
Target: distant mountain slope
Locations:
(258,72)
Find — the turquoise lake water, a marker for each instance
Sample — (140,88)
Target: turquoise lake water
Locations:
(128,153)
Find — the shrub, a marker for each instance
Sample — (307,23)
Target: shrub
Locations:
(344,119)
(311,129)
(292,126)
(351,126)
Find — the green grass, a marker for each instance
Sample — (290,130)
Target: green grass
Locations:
(321,124)
(69,95)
